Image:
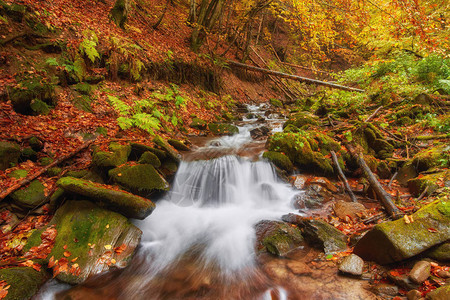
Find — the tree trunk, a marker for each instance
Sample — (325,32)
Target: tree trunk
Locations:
(155,26)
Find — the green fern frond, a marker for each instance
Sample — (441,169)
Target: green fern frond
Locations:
(89,44)
(125,122)
(121,107)
(146,122)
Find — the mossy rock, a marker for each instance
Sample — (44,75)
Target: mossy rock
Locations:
(129,205)
(91,175)
(9,155)
(18,174)
(291,129)
(17,12)
(150,158)
(52,172)
(222,129)
(430,182)
(198,124)
(119,12)
(24,282)
(172,153)
(138,149)
(83,102)
(441,293)
(45,161)
(179,145)
(35,143)
(169,168)
(280,160)
(276,102)
(277,238)
(83,88)
(28,154)
(395,241)
(39,107)
(372,141)
(302,118)
(30,196)
(440,252)
(117,156)
(91,234)
(139,179)
(438,156)
(322,235)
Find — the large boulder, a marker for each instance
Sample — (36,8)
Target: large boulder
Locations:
(137,149)
(150,158)
(324,236)
(431,157)
(222,129)
(129,205)
(9,155)
(172,153)
(198,124)
(280,160)
(89,240)
(30,196)
(430,182)
(23,282)
(440,252)
(117,156)
(373,141)
(398,240)
(140,179)
(301,119)
(277,238)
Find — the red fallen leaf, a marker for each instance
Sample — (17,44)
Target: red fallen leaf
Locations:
(433,230)
(67,253)
(120,249)
(51,262)
(65,247)
(74,260)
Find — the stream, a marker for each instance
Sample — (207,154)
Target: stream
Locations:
(199,243)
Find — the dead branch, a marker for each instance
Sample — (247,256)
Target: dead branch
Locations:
(374,114)
(344,179)
(432,137)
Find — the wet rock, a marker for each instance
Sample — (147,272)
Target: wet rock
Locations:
(30,196)
(222,129)
(97,238)
(292,218)
(431,157)
(139,179)
(280,160)
(150,158)
(397,240)
(351,209)
(442,293)
(302,118)
(24,282)
(323,235)
(299,268)
(138,149)
(169,168)
(403,281)
(198,124)
(9,155)
(352,264)
(277,238)
(385,290)
(260,133)
(129,205)
(414,295)
(179,145)
(172,153)
(430,182)
(117,156)
(420,272)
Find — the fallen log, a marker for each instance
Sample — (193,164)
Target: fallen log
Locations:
(383,196)
(28,179)
(432,137)
(294,77)
(344,179)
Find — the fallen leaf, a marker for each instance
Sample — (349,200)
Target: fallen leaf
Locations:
(433,230)
(108,247)
(67,253)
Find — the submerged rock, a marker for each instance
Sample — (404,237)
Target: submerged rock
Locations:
(222,129)
(260,133)
(352,264)
(277,238)
(9,155)
(398,240)
(129,205)
(24,282)
(89,240)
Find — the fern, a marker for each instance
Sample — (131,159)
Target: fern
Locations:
(89,44)
(125,122)
(174,120)
(143,105)
(119,105)
(146,122)
(52,62)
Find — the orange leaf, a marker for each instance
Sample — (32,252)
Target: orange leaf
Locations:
(433,230)
(67,253)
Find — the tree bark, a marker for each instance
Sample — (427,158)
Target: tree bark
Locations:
(155,26)
(344,179)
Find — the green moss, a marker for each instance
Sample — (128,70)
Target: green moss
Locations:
(83,102)
(52,172)
(431,181)
(302,118)
(171,152)
(30,196)
(18,174)
(280,160)
(198,124)
(28,154)
(45,161)
(119,13)
(432,157)
(440,252)
(179,145)
(222,129)
(83,88)
(118,156)
(279,238)
(276,102)
(24,282)
(139,178)
(9,154)
(150,158)
(323,235)
(129,205)
(291,129)
(138,149)
(35,91)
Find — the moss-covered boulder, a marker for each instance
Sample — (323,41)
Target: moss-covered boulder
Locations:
(30,196)
(137,149)
(45,161)
(275,102)
(22,173)
(139,179)
(222,129)
(441,293)
(89,240)
(172,153)
(301,119)
(117,156)
(9,155)
(440,252)
(150,158)
(373,141)
(179,145)
(277,238)
(198,124)
(28,154)
(280,160)
(91,175)
(323,235)
(398,240)
(169,168)
(438,156)
(119,12)
(35,143)
(24,282)
(127,204)
(430,182)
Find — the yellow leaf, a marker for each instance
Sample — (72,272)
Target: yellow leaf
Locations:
(108,247)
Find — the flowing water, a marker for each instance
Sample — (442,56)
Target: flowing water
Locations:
(199,243)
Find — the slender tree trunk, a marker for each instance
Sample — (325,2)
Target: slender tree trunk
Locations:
(192,11)
(155,26)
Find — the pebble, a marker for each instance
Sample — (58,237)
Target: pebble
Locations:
(384,289)
(352,264)
(420,272)
(414,295)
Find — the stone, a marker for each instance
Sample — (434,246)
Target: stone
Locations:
(397,240)
(28,154)
(139,178)
(351,209)
(30,196)
(385,290)
(301,119)
(260,133)
(117,156)
(99,239)
(414,295)
(150,158)
(280,160)
(442,293)
(420,272)
(277,238)
(9,155)
(403,281)
(431,157)
(24,282)
(352,264)
(138,149)
(35,143)
(21,173)
(299,268)
(222,129)
(322,235)
(429,181)
(198,124)
(179,145)
(172,153)
(127,204)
